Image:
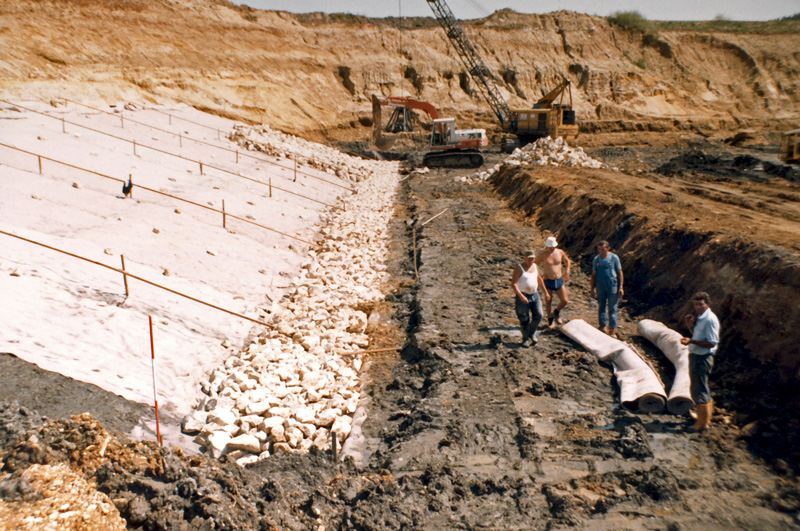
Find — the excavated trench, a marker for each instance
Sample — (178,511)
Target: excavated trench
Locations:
(754,285)
(465,429)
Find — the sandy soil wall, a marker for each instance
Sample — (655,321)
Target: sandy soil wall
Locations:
(314,76)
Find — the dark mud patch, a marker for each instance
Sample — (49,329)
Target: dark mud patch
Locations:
(36,389)
(744,167)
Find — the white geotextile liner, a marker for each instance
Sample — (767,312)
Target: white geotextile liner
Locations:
(669,342)
(638,383)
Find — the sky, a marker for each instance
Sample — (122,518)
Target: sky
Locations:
(673,10)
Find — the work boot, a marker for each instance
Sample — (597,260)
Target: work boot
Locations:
(602,328)
(709,412)
(551,320)
(557,316)
(612,333)
(700,409)
(703,417)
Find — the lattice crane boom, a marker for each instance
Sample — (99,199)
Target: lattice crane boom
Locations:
(472,61)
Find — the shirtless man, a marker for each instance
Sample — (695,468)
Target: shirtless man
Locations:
(551,260)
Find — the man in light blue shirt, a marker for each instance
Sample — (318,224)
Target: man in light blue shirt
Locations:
(704,326)
(606,283)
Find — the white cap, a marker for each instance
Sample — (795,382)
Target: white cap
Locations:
(550,242)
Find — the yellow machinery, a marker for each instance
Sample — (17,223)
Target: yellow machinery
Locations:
(547,118)
(790,147)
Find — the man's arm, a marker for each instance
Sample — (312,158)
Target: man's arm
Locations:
(566,261)
(620,276)
(704,344)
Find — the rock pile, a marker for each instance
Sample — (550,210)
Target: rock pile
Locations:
(544,152)
(55,497)
(318,156)
(297,382)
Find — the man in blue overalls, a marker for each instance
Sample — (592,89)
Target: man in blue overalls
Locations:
(606,282)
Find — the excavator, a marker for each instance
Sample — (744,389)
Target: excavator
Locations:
(548,117)
(449,147)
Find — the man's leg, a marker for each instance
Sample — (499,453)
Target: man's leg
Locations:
(613,302)
(602,300)
(523,314)
(548,303)
(699,369)
(535,307)
(563,300)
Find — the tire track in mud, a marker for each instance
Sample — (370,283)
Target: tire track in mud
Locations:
(461,423)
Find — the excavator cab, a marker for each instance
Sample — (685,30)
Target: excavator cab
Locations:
(442,133)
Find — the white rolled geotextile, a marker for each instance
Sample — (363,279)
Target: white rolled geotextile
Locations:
(669,342)
(639,385)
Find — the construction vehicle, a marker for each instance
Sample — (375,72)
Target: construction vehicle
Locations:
(401,119)
(455,148)
(548,117)
(449,147)
(790,147)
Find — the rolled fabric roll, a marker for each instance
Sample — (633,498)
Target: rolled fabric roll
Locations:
(639,385)
(650,403)
(668,341)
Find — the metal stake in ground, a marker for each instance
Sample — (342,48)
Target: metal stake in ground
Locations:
(153,364)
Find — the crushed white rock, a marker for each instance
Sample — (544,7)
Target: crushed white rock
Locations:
(324,158)
(544,152)
(292,386)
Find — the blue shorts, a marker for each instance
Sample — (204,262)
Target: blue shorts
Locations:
(554,285)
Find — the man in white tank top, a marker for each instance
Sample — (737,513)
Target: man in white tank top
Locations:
(526,281)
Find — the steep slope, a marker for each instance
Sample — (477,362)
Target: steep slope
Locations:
(312,75)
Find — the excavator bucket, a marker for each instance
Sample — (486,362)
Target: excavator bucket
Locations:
(385,142)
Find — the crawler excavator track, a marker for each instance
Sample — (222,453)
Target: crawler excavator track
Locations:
(453,159)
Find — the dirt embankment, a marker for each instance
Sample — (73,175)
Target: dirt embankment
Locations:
(313,76)
(680,234)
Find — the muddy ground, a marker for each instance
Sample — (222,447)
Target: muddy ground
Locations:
(466,429)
